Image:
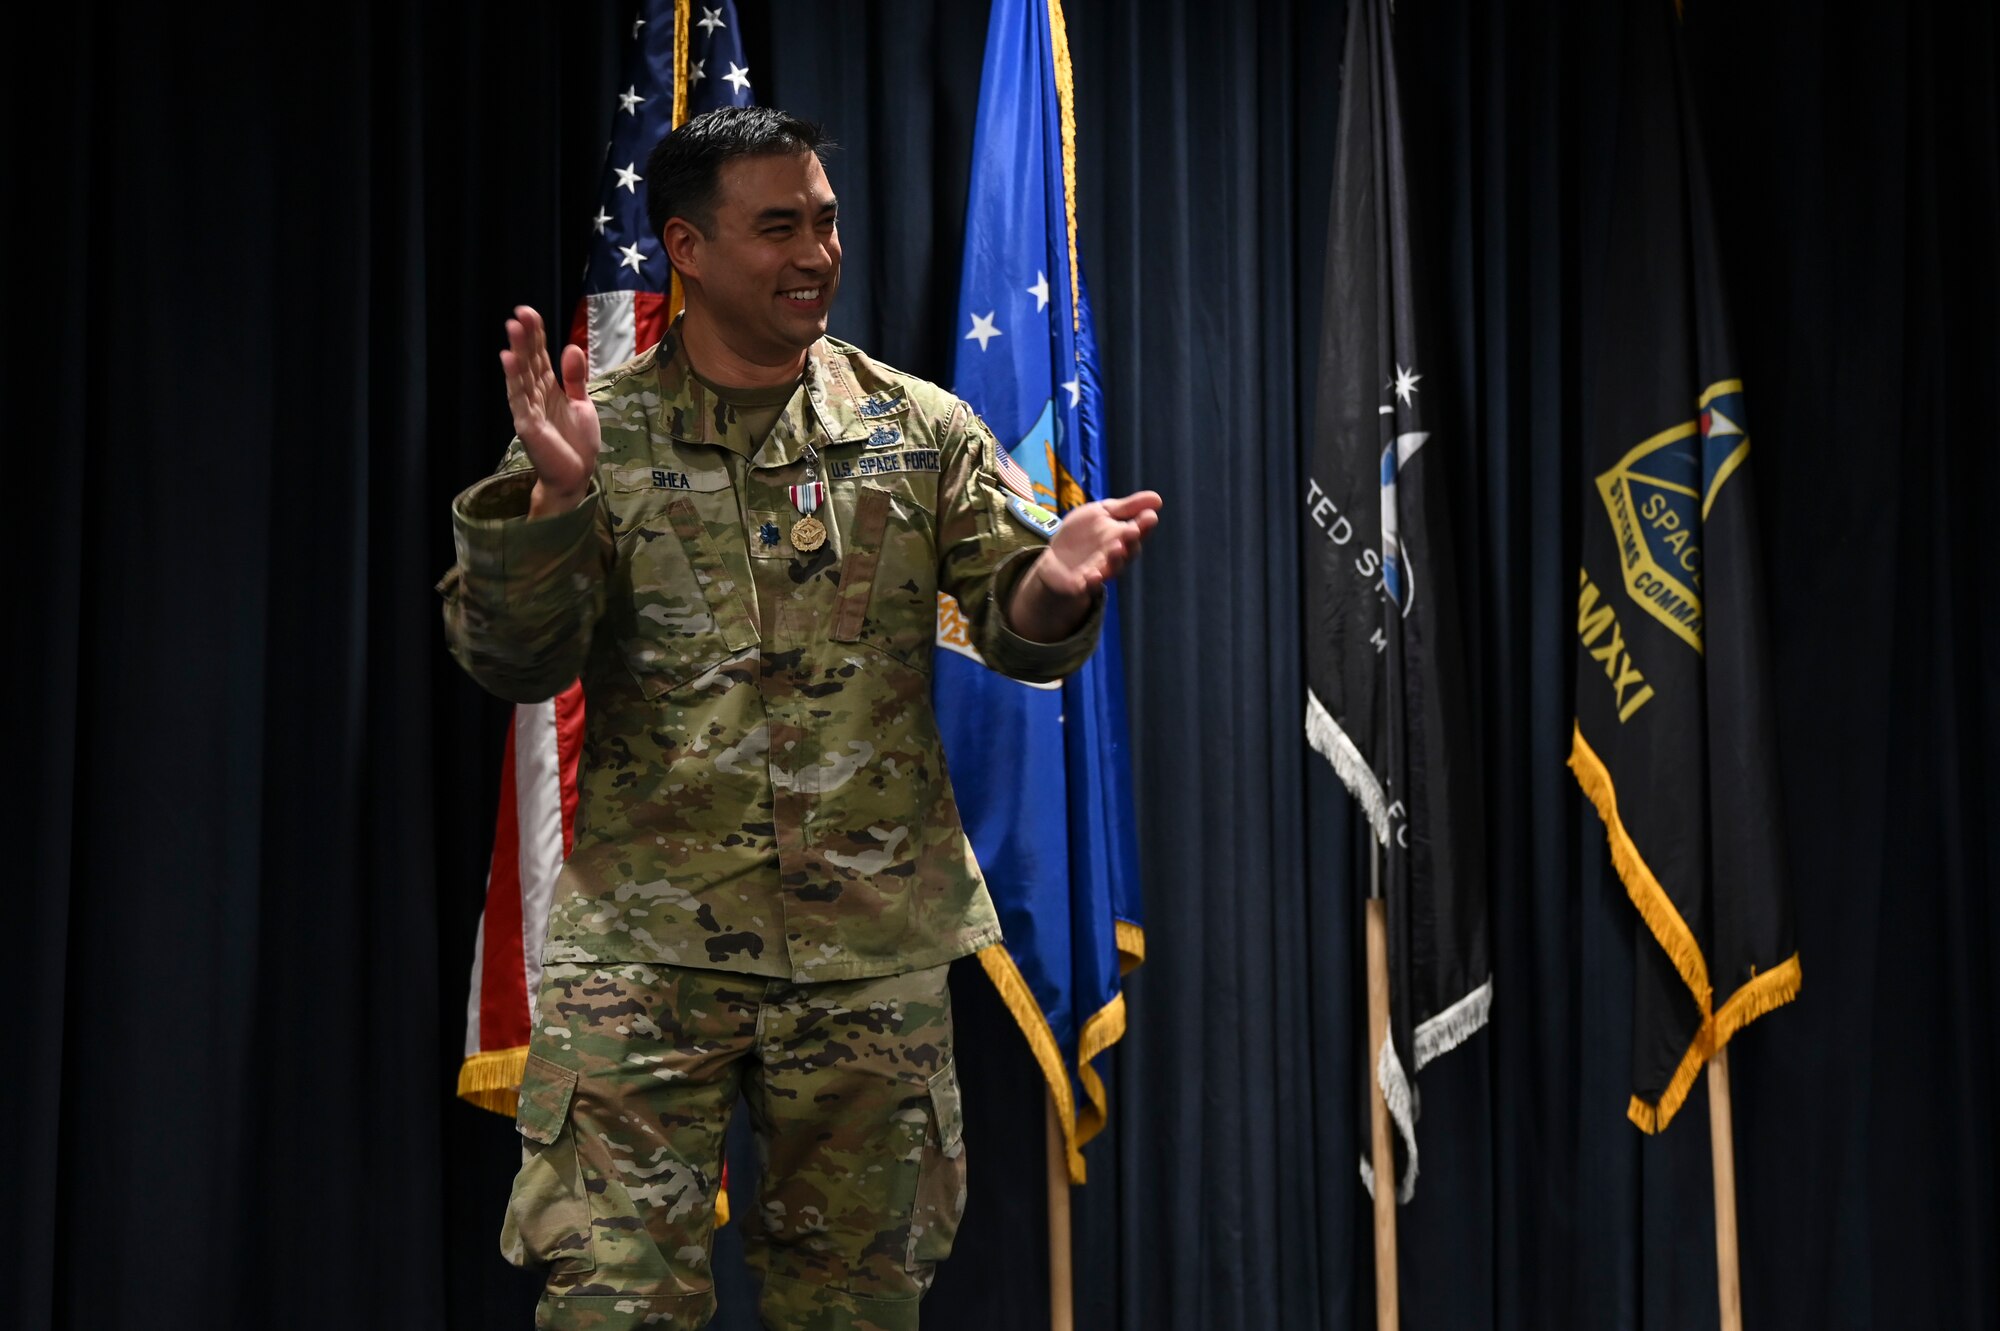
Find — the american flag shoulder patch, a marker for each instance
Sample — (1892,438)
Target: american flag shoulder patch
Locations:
(1013,475)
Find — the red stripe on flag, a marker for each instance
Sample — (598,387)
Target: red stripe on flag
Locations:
(1015,476)
(503,1001)
(569,750)
(649,319)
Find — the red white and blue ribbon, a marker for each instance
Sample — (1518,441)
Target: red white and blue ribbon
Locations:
(807,497)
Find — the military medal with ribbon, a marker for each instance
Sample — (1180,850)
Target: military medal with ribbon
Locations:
(809,533)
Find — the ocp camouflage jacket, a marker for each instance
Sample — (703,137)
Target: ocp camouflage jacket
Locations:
(762,787)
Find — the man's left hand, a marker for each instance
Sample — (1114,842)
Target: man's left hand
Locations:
(1094,544)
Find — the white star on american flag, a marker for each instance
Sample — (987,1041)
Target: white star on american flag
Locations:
(1075,387)
(738,75)
(695,71)
(633,258)
(1040,291)
(601,220)
(630,100)
(637,24)
(629,177)
(710,19)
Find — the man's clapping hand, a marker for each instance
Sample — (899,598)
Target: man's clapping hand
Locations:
(556,422)
(1093,545)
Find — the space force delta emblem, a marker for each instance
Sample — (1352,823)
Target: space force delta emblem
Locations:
(1658,497)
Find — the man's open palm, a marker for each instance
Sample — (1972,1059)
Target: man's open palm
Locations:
(556,422)
(1097,540)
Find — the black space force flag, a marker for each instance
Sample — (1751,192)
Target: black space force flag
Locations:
(1384,652)
(1673,739)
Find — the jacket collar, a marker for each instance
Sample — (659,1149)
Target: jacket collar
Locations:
(826,409)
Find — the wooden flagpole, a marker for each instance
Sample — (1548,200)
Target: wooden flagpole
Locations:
(1384,1162)
(1722,1149)
(1062,1307)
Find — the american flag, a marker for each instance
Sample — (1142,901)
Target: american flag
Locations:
(625,308)
(1015,476)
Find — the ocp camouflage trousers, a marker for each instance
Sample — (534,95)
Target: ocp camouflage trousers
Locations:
(631,1080)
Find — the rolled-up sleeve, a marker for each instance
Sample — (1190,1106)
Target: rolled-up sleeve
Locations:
(525,594)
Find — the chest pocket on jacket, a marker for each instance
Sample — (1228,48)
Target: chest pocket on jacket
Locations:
(690,611)
(888,578)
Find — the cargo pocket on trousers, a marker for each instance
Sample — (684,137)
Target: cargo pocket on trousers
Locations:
(941,1181)
(548,1212)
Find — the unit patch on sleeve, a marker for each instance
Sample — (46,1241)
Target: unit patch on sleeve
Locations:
(1033,516)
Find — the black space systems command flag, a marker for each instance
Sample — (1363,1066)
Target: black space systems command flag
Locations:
(1384,652)
(1673,739)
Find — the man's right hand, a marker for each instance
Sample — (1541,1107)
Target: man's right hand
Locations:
(556,422)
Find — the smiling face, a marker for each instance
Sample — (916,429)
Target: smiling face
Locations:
(765,273)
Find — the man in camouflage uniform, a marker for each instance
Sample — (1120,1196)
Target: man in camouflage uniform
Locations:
(737,540)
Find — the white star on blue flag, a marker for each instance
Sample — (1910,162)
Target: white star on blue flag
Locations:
(625,254)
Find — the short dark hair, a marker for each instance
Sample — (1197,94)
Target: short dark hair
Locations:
(684,172)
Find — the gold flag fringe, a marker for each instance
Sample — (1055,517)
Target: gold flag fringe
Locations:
(681,33)
(1655,907)
(1104,1028)
(1066,110)
(1767,993)
(1650,1119)
(682,29)
(1020,1000)
(491,1078)
(1764,993)
(1131,942)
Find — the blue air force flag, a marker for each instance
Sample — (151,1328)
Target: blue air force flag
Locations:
(1385,655)
(1041,772)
